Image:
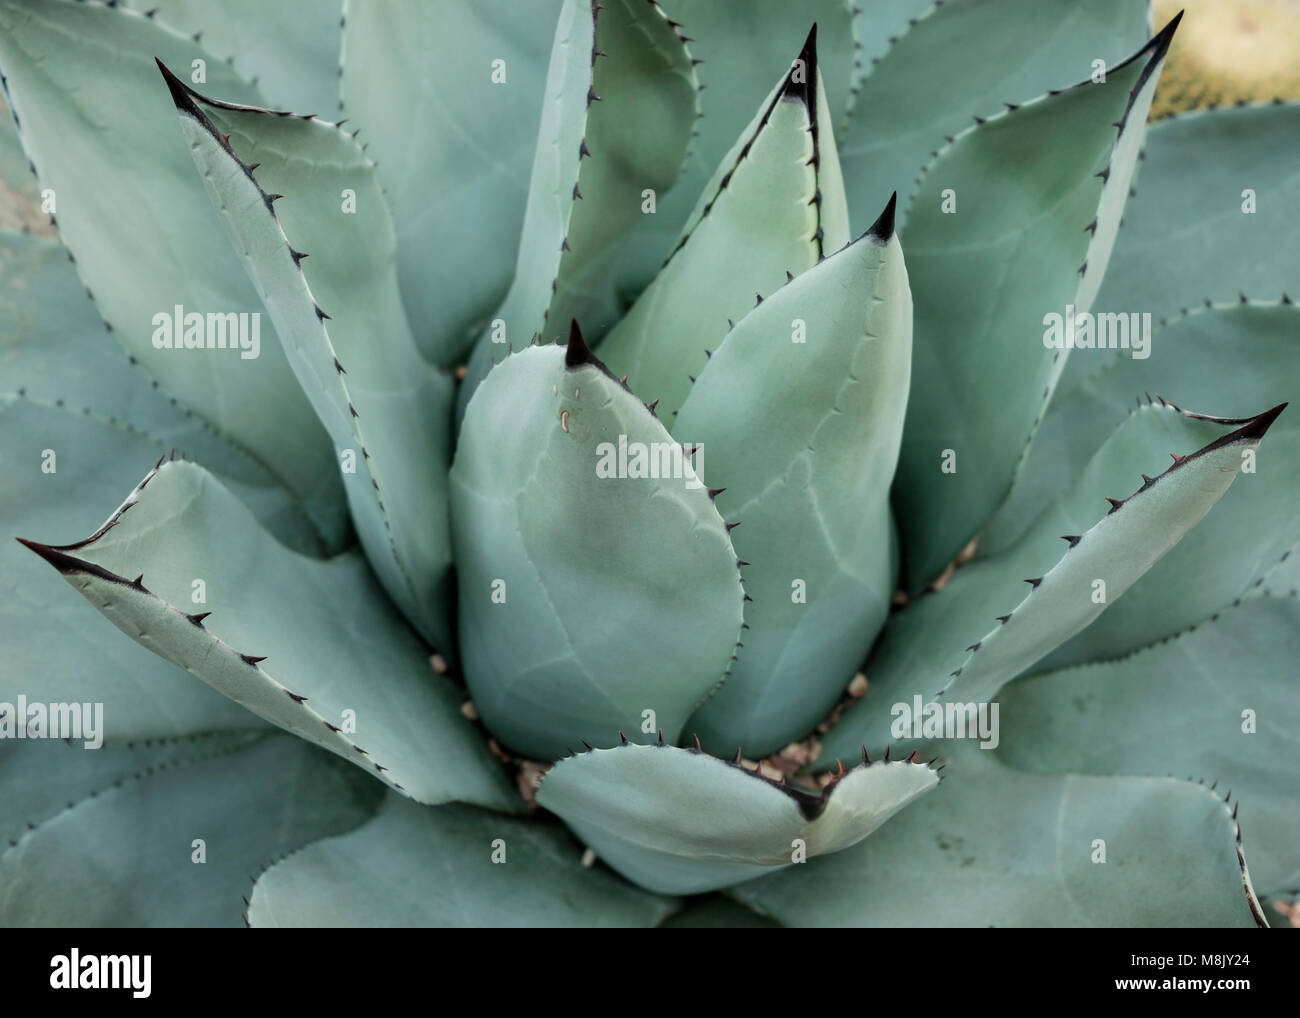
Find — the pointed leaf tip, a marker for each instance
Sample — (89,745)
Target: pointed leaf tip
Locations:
(1257,427)
(1252,431)
(803,90)
(883,228)
(1161,40)
(182,94)
(577,353)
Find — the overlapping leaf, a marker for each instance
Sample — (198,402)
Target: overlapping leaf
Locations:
(468,77)
(950,645)
(774,207)
(596,594)
(341,670)
(622,103)
(450,866)
(678,821)
(901,110)
(172,842)
(81,82)
(1217,701)
(386,410)
(994,847)
(1013,221)
(800,413)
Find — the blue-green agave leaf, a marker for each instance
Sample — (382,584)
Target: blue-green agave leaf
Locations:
(1014,220)
(1234,358)
(80,81)
(996,847)
(902,108)
(447,98)
(1227,355)
(800,413)
(877,29)
(42,777)
(774,207)
(1218,700)
(387,411)
(223,597)
(949,645)
(1191,197)
(56,356)
(679,821)
(447,867)
(616,131)
(172,843)
(594,596)
(289,49)
(737,57)
(54,652)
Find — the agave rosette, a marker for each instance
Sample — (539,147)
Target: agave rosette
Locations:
(595,411)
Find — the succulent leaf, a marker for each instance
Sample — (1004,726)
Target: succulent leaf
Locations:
(617,129)
(450,866)
(802,430)
(1019,245)
(1179,705)
(1005,52)
(774,207)
(342,672)
(877,29)
(1234,358)
(290,48)
(585,600)
(81,82)
(679,821)
(454,145)
(40,784)
(1069,584)
(46,635)
(57,357)
(995,847)
(1189,197)
(248,801)
(386,410)
(737,57)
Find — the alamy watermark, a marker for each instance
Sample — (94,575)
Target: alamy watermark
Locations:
(667,460)
(935,720)
(84,721)
(179,329)
(75,971)
(1107,330)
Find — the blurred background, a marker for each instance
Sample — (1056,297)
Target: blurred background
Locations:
(1227,51)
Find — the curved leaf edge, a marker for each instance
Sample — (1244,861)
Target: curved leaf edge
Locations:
(1251,430)
(187,102)
(69,565)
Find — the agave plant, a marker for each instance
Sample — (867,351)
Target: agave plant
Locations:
(490,628)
